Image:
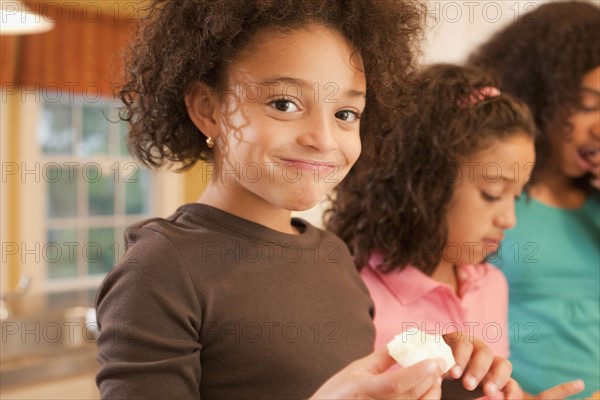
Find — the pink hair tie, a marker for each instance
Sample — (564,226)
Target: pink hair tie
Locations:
(480,94)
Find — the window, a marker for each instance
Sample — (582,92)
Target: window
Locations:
(94,188)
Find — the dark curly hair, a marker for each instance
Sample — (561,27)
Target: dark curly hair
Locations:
(542,58)
(397,202)
(182,42)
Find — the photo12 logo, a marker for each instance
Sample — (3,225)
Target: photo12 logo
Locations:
(253,172)
(68,171)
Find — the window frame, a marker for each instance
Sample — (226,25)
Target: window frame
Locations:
(113,163)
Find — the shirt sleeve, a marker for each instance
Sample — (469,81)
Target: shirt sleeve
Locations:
(149,316)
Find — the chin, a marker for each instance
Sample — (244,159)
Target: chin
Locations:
(575,173)
(303,197)
(477,258)
(301,202)
(300,205)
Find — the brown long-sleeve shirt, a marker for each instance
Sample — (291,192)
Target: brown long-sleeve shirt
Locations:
(206,304)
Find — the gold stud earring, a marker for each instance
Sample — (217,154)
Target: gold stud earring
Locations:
(210,142)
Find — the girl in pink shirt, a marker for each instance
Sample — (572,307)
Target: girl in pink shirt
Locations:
(422,219)
(438,206)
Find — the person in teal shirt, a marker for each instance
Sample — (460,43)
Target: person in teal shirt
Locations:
(552,264)
(550,59)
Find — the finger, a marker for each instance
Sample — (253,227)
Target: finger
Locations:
(377,362)
(497,377)
(434,393)
(410,383)
(479,365)
(595,183)
(500,396)
(512,390)
(462,348)
(563,390)
(594,396)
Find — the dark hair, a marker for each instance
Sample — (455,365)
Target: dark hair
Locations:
(397,203)
(182,42)
(542,58)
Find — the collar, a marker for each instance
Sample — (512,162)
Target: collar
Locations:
(411,284)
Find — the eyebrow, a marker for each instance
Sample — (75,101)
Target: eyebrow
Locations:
(306,84)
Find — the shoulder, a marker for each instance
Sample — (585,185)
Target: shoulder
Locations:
(327,241)
(149,243)
(150,275)
(329,237)
(173,239)
(151,261)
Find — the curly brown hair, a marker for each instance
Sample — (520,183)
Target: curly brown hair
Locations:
(542,58)
(183,42)
(397,202)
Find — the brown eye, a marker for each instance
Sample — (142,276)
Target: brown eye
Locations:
(284,105)
(347,115)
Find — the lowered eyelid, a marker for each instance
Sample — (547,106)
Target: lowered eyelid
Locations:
(588,90)
(488,197)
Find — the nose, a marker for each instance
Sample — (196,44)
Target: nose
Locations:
(507,217)
(319,132)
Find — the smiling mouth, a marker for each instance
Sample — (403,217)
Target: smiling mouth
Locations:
(587,157)
(311,165)
(589,153)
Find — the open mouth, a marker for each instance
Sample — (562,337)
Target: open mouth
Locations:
(589,156)
(589,153)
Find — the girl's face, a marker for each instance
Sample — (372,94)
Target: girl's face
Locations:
(287,127)
(577,151)
(483,203)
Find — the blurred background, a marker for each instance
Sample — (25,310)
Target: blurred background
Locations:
(69,188)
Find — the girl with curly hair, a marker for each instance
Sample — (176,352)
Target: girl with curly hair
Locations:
(230,297)
(421,219)
(550,59)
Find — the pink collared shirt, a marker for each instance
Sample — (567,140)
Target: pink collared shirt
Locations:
(409,298)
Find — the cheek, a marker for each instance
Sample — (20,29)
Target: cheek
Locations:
(247,141)
(351,149)
(461,232)
(237,118)
(464,224)
(577,130)
(581,127)
(455,225)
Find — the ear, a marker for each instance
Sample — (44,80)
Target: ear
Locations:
(201,104)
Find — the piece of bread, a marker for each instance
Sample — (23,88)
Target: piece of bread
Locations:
(412,346)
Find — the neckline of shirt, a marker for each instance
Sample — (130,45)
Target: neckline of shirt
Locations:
(411,284)
(307,237)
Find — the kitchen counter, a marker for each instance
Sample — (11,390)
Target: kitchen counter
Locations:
(47,337)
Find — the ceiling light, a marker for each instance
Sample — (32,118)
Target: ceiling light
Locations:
(16,20)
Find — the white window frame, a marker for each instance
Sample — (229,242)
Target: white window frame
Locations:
(167,192)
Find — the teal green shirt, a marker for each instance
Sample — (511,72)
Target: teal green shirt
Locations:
(552,263)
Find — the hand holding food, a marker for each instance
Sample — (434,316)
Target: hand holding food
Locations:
(413,345)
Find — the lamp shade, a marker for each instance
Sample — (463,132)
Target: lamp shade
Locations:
(16,20)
